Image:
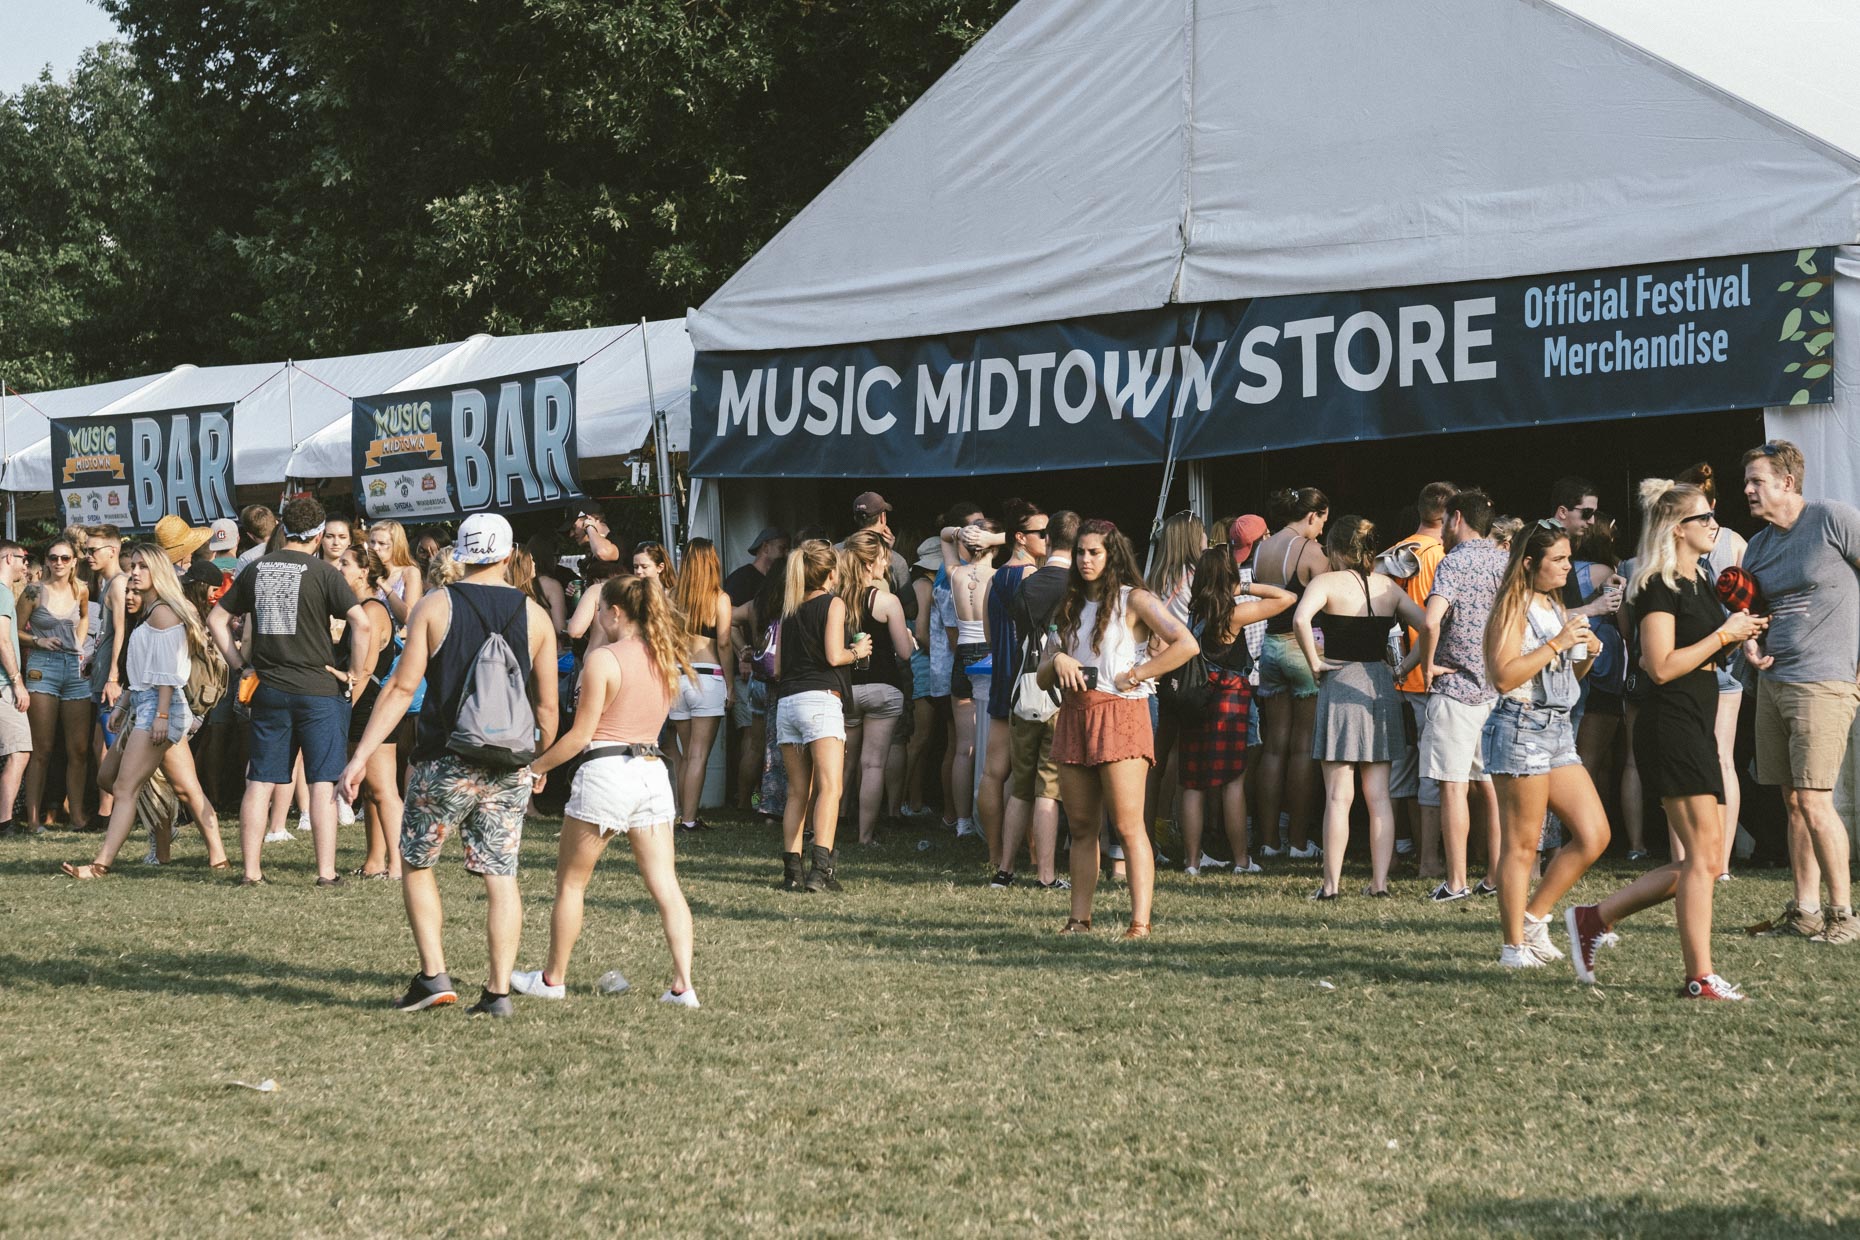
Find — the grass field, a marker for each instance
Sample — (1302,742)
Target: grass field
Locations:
(920,1056)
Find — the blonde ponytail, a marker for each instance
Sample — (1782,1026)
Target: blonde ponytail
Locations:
(809,567)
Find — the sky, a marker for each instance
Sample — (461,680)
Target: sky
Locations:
(35,33)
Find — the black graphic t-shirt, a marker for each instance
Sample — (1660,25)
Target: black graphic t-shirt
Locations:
(291,598)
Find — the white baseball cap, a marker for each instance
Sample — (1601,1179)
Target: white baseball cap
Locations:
(484,538)
(225,535)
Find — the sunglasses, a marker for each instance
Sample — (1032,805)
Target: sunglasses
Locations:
(1551,523)
(1702,518)
(59,559)
(1039,533)
(1587,514)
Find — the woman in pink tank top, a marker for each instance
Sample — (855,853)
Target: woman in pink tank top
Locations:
(622,786)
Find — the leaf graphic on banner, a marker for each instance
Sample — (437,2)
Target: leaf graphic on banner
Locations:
(1791,321)
(1820,318)
(1792,367)
(1800,398)
(1798,335)
(1809,288)
(1818,342)
(1817,370)
(1805,262)
(1785,286)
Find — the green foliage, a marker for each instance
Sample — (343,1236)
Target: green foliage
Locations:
(302,177)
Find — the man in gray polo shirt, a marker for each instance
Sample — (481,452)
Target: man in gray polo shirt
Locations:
(1806,561)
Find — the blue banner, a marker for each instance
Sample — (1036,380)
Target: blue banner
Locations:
(505,444)
(131,470)
(1279,372)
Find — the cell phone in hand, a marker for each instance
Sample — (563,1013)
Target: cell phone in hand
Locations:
(1091,676)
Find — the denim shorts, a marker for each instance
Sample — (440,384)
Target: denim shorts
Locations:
(920,675)
(803,718)
(286,724)
(55,674)
(1527,740)
(1282,669)
(143,705)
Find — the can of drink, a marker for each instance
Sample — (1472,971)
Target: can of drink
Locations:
(861,663)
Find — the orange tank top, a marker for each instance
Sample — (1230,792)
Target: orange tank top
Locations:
(638,711)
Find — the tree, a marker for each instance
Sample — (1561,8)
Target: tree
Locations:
(326,176)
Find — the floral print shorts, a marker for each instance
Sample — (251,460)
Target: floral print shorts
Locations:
(485,806)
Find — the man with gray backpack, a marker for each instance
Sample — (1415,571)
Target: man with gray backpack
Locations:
(487,714)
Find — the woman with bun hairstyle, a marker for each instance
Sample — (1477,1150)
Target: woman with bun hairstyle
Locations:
(1535,656)
(1115,639)
(1214,748)
(621,787)
(1288,688)
(1684,632)
(1727,551)
(812,664)
(1358,724)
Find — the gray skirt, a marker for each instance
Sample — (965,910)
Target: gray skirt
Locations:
(1358,715)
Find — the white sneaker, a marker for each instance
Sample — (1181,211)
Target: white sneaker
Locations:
(1213,863)
(1519,958)
(1251,867)
(1310,852)
(1537,940)
(1269,852)
(1192,871)
(687,999)
(280,836)
(345,813)
(531,983)
(964,827)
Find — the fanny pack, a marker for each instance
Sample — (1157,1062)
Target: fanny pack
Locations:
(652,752)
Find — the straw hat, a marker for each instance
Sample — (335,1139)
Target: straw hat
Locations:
(179,539)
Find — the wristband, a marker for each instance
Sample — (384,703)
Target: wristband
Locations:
(1725,639)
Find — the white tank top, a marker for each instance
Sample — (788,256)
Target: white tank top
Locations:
(1118,654)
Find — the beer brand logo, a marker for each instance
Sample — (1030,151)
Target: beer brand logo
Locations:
(427,483)
(377,488)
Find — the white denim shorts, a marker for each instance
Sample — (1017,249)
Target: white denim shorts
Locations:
(803,718)
(702,698)
(620,793)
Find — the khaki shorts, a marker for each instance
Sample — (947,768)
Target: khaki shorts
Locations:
(1035,775)
(1450,743)
(1802,732)
(15,731)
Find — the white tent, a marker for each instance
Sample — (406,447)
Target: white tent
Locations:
(1091,156)
(274,407)
(614,414)
(26,423)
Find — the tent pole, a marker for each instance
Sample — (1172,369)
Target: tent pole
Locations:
(1168,478)
(662,457)
(290,404)
(12,517)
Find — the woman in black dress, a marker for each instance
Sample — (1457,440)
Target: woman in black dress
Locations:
(1683,632)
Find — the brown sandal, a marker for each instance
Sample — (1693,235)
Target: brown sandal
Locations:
(1075,926)
(85,872)
(220,865)
(1137,930)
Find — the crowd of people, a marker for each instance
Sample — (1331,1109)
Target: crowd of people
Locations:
(1485,684)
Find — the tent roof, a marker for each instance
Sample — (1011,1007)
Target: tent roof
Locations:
(1095,156)
(27,418)
(614,414)
(295,422)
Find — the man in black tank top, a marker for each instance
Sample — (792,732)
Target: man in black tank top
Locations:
(445,634)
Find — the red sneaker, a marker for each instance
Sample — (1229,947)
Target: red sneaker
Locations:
(1711,986)
(1586,935)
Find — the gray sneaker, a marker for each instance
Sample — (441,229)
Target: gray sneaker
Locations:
(491,1005)
(1841,926)
(1792,923)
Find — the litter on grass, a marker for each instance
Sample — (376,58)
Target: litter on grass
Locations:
(266,1086)
(1325,986)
